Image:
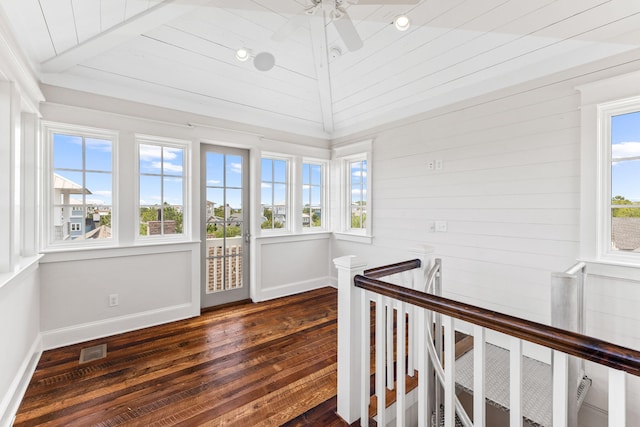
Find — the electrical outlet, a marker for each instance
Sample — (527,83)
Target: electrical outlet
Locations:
(439,164)
(113,300)
(441,226)
(430,165)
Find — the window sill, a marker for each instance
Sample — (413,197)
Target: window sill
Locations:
(618,269)
(351,237)
(24,266)
(296,236)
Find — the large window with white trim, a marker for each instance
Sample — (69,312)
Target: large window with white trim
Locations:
(313,195)
(274,193)
(162,209)
(357,187)
(80,182)
(622,192)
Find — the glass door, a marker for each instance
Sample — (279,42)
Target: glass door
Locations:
(225,197)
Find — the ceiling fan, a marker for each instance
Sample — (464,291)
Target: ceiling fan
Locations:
(339,17)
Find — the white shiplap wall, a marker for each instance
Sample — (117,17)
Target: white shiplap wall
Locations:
(509,191)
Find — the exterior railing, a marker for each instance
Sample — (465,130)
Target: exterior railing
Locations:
(416,315)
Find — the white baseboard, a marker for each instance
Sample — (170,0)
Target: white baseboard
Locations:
(333,282)
(292,289)
(13,396)
(103,328)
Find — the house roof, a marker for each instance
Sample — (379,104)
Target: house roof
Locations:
(101,232)
(626,233)
(68,186)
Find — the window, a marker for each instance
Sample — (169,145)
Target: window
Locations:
(358,194)
(312,196)
(80,182)
(352,168)
(161,188)
(274,193)
(623,197)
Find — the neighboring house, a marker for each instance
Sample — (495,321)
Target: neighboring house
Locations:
(626,233)
(68,218)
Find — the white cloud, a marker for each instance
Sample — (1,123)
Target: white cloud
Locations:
(625,150)
(236,167)
(98,144)
(214,182)
(266,185)
(168,167)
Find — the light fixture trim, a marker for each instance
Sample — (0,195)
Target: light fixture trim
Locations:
(402,22)
(243,54)
(264,61)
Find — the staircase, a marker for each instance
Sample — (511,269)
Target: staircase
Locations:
(537,384)
(531,392)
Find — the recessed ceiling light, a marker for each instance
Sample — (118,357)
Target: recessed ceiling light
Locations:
(402,22)
(243,54)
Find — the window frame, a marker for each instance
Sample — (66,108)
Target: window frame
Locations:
(288,225)
(343,157)
(324,196)
(606,111)
(142,139)
(49,129)
(612,93)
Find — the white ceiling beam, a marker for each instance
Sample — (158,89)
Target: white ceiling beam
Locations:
(152,18)
(317,25)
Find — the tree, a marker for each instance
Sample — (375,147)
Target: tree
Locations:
(630,212)
(268,223)
(171,213)
(105,220)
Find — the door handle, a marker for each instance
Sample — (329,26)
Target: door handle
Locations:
(247,238)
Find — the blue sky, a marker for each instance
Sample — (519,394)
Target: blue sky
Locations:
(161,169)
(68,157)
(224,169)
(625,144)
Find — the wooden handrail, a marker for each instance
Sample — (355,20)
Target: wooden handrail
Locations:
(571,343)
(387,270)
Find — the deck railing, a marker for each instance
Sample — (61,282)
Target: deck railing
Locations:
(416,315)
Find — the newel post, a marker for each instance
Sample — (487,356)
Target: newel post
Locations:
(349,325)
(425,254)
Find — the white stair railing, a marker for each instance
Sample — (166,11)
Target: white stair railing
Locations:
(437,387)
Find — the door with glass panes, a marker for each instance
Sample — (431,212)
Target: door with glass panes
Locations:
(225,216)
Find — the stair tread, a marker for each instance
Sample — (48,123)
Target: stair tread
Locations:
(536,383)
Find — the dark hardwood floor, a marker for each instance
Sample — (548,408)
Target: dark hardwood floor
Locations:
(266,364)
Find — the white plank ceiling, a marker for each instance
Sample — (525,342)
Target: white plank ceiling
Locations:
(181,53)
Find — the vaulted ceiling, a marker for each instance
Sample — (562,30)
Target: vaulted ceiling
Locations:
(181,53)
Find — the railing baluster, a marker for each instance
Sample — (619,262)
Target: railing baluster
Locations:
(479,410)
(561,389)
(413,339)
(423,368)
(400,367)
(389,340)
(515,382)
(449,372)
(617,398)
(365,373)
(380,359)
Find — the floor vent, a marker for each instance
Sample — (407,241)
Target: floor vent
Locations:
(90,354)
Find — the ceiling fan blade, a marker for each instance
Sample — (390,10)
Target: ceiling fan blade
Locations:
(289,27)
(347,31)
(383,2)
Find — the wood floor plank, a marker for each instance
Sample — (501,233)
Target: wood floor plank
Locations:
(259,363)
